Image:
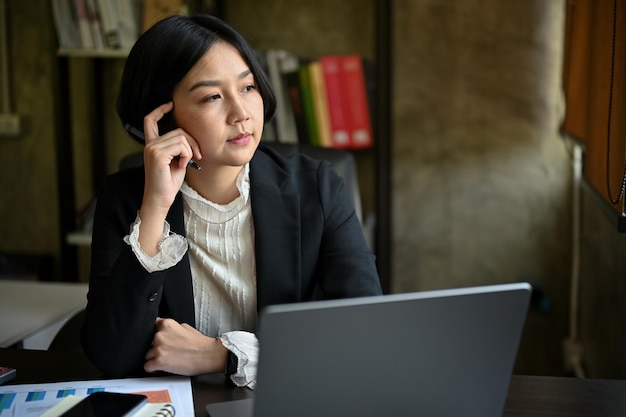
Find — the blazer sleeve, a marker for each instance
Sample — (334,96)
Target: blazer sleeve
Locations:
(346,266)
(309,241)
(123,299)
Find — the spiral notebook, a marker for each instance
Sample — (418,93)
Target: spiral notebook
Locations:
(445,353)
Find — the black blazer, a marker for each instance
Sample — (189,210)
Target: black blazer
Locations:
(307,240)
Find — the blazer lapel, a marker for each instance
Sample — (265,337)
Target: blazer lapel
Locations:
(276,214)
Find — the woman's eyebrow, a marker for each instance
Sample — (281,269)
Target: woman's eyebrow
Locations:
(214,83)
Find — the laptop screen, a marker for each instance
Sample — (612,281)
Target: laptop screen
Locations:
(440,353)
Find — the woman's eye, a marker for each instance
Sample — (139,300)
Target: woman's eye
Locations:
(212,97)
(249,88)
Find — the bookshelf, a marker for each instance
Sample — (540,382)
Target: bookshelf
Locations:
(97,61)
(373,163)
(94,53)
(315,29)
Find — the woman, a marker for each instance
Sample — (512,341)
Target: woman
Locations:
(183,259)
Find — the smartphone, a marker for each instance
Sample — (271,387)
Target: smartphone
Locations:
(6,374)
(107,404)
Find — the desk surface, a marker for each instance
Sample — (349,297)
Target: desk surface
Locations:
(27,307)
(535,396)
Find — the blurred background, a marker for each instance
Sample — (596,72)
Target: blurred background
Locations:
(471,180)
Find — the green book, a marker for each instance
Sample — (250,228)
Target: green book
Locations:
(307,104)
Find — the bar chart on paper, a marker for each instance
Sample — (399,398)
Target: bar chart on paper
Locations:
(31,400)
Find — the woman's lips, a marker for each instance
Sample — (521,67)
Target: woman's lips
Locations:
(241,139)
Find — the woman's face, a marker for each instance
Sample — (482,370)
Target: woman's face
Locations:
(218,104)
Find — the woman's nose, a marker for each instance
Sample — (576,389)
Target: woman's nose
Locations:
(238,112)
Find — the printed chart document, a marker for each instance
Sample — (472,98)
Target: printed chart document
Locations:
(32,400)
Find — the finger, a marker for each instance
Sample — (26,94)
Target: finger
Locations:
(188,147)
(150,354)
(150,122)
(160,325)
(195,148)
(166,323)
(153,365)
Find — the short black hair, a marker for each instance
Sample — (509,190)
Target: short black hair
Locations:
(164,54)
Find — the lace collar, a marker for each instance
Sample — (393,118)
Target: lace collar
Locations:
(218,213)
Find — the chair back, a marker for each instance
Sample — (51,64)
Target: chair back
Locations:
(342,161)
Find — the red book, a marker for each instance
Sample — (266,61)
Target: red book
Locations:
(338,111)
(357,98)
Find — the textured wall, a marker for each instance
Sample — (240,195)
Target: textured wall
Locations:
(28,197)
(480,175)
(602,291)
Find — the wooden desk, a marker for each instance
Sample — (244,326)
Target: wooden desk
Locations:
(535,396)
(540,396)
(31,312)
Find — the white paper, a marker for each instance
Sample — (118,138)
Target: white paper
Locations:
(32,400)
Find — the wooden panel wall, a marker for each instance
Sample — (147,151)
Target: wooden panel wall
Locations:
(594,72)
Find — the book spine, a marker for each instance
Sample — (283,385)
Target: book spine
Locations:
(320,104)
(288,64)
(294,90)
(94,22)
(307,104)
(358,104)
(128,26)
(67,31)
(107,13)
(84,26)
(285,124)
(269,127)
(338,112)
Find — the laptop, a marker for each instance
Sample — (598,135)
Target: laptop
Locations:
(442,353)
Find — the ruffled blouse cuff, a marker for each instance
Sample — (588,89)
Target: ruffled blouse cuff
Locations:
(172,248)
(245,346)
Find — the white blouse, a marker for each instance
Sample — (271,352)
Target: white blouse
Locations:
(220,244)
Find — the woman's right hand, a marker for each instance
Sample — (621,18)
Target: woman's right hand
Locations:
(180,349)
(165,164)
